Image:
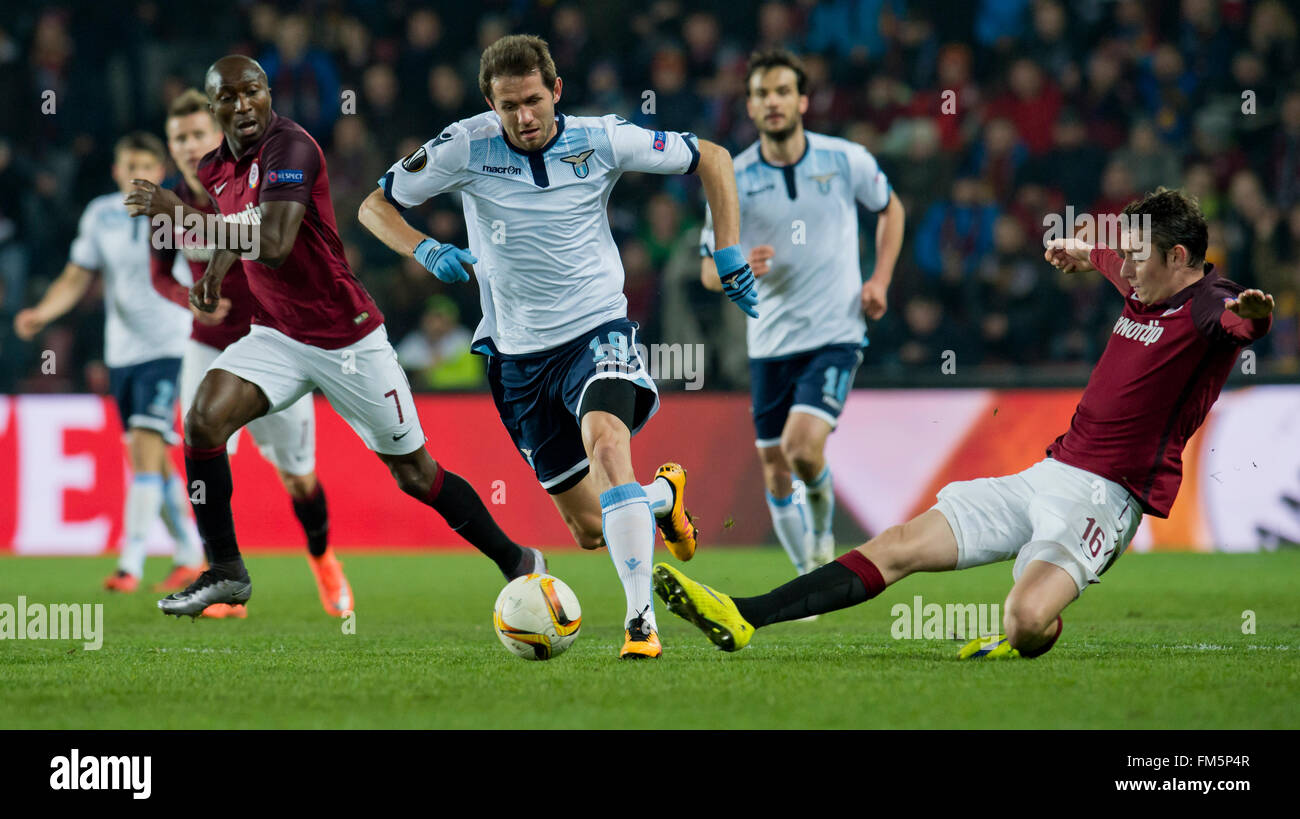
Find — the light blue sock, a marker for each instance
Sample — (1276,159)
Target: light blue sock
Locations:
(175,513)
(629,531)
(821,501)
(789,518)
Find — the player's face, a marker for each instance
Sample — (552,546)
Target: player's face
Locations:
(526,107)
(1153,279)
(774,102)
(241,103)
(136,165)
(190,137)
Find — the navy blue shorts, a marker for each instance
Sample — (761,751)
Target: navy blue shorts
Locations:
(815,382)
(146,395)
(538,397)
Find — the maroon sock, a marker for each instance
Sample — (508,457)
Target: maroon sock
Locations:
(850,580)
(313,514)
(210,488)
(453,498)
(1047,646)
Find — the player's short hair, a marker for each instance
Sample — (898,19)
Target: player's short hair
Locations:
(140,141)
(1176,219)
(189,101)
(516,55)
(766,58)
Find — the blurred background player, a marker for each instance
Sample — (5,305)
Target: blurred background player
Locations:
(286,438)
(806,345)
(564,370)
(314,325)
(144,337)
(1068,518)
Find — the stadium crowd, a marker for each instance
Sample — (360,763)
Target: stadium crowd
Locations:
(985,116)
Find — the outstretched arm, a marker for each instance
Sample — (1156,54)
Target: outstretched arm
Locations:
(718,176)
(1249,316)
(1077,256)
(61,296)
(448,262)
(382,219)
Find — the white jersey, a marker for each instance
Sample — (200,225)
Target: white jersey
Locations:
(807,212)
(140,325)
(548,269)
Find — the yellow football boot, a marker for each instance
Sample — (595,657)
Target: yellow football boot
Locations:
(676,526)
(994,648)
(711,611)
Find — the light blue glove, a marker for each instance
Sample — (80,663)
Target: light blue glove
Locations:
(444,261)
(737,278)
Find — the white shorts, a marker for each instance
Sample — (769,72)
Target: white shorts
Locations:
(362,381)
(286,438)
(1071,518)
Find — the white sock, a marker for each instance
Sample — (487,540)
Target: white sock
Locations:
(821,500)
(630,537)
(660,494)
(175,513)
(791,523)
(144,499)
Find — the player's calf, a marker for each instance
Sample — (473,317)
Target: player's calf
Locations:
(451,496)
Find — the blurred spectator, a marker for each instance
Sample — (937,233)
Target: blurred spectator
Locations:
(1032,104)
(1039,103)
(1148,161)
(1168,92)
(955,233)
(305,81)
(437,355)
(1073,166)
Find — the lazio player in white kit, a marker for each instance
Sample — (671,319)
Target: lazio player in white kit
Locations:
(144,339)
(564,371)
(799,193)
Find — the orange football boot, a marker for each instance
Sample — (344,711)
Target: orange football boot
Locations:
(335,593)
(120,581)
(178,579)
(676,526)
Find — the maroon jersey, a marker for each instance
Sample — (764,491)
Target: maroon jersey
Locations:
(313,297)
(1161,371)
(234,286)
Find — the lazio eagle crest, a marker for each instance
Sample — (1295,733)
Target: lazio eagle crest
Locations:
(579,162)
(824,181)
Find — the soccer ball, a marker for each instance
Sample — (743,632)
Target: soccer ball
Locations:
(537,617)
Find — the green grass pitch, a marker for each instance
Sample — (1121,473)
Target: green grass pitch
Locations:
(1158,645)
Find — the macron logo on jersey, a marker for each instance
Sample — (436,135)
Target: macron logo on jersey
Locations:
(1147,333)
(273,177)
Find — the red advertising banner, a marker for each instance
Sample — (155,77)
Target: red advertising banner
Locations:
(63,472)
(63,477)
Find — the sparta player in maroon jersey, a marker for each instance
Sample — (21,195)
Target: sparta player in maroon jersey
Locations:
(314,325)
(286,438)
(1068,518)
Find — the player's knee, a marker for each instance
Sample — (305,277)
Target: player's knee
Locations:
(803,456)
(888,550)
(204,426)
(1025,622)
(299,486)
